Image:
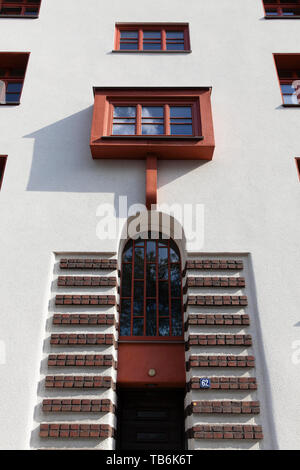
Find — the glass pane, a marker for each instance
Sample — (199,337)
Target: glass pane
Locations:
(163,263)
(164,327)
(138,327)
(152,46)
(175,47)
(128,46)
(181,129)
(180,111)
(124,111)
(14,87)
(287,89)
(176,318)
(125,318)
(175,35)
(175,280)
(153,111)
(13,98)
(138,304)
(174,253)
(152,129)
(123,129)
(127,255)
(151,250)
(290,99)
(163,299)
(151,318)
(129,34)
(139,262)
(152,34)
(126,280)
(151,280)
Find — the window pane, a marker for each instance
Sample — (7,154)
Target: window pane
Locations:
(153,111)
(139,262)
(13,98)
(152,129)
(125,111)
(126,280)
(175,46)
(151,250)
(123,129)
(129,34)
(181,129)
(164,327)
(163,299)
(128,46)
(138,304)
(290,99)
(129,40)
(163,263)
(287,89)
(174,253)
(175,35)
(138,327)
(14,87)
(151,280)
(175,280)
(125,318)
(180,111)
(127,254)
(151,318)
(176,318)
(152,34)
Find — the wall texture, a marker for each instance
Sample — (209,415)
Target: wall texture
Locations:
(52,187)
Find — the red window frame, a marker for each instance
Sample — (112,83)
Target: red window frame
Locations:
(163,28)
(279,9)
(24,7)
(196,127)
(13,67)
(3,159)
(158,337)
(297,160)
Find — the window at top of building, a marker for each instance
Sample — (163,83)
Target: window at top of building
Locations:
(288,69)
(151,289)
(152,37)
(282,8)
(12,74)
(21,8)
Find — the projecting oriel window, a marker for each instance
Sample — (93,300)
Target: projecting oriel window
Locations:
(151,290)
(282,9)
(152,37)
(20,8)
(143,119)
(12,74)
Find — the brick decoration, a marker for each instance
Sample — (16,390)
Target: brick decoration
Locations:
(78,381)
(85,300)
(86,281)
(80,339)
(226,431)
(79,263)
(218,300)
(225,383)
(222,320)
(83,319)
(215,282)
(224,407)
(209,264)
(219,340)
(77,406)
(81,360)
(221,361)
(68,430)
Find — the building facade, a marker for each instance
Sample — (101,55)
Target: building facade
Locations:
(149,203)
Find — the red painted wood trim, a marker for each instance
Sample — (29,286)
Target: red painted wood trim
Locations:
(151,181)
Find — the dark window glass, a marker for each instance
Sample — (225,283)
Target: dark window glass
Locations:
(181,120)
(14,87)
(156,308)
(151,40)
(129,40)
(175,40)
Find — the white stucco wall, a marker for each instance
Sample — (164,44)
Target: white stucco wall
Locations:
(52,187)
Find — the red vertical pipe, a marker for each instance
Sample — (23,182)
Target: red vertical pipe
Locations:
(151,181)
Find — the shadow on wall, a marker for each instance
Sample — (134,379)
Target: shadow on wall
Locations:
(62,161)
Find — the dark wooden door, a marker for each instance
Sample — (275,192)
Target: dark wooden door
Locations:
(151,420)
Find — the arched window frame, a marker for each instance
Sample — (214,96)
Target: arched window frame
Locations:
(175,302)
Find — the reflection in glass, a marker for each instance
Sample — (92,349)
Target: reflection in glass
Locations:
(163,299)
(151,318)
(124,122)
(176,318)
(151,250)
(127,254)
(138,304)
(125,317)
(164,327)
(138,327)
(139,262)
(152,120)
(151,280)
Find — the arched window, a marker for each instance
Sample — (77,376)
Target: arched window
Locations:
(151,289)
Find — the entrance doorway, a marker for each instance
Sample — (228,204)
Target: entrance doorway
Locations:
(150,419)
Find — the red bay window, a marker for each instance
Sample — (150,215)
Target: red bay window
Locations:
(282,9)
(174,123)
(12,74)
(20,8)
